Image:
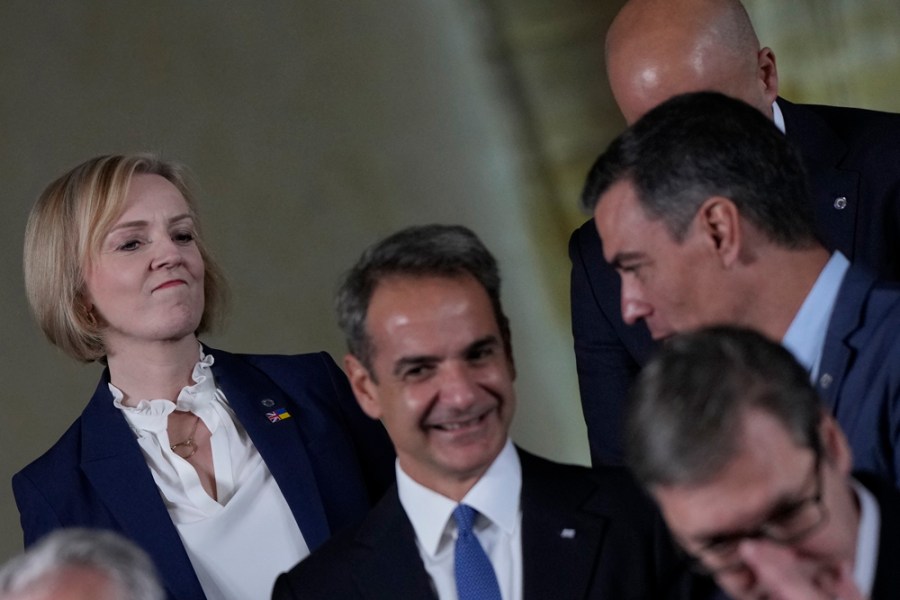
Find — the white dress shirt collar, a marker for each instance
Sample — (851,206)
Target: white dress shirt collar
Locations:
(495,495)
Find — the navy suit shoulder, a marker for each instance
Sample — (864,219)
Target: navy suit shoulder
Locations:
(328,462)
(861,129)
(619,545)
(852,157)
(585,534)
(376,560)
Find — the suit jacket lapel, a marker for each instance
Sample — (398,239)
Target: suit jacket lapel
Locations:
(557,535)
(389,565)
(841,345)
(112,461)
(253,396)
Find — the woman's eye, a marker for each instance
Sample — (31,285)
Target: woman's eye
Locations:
(185,237)
(129,245)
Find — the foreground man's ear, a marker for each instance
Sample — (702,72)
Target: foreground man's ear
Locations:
(834,444)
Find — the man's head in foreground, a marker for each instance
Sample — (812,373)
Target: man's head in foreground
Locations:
(703,208)
(656,49)
(81,564)
(430,352)
(751,474)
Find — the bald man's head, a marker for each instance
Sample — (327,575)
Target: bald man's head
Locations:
(656,49)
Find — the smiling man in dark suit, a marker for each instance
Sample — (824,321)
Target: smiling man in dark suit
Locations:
(656,49)
(430,357)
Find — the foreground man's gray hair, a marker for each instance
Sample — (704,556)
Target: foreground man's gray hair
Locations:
(687,405)
(127,567)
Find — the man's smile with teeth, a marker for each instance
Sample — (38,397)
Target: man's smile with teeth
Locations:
(460,424)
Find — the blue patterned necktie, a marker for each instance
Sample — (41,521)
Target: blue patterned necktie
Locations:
(475,578)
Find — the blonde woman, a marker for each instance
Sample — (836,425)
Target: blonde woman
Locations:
(225,468)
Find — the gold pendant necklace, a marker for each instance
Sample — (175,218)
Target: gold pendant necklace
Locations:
(188,446)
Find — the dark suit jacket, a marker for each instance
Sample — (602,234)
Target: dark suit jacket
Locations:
(887,576)
(859,377)
(852,157)
(620,549)
(330,461)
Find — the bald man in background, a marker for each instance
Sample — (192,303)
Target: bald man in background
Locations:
(656,49)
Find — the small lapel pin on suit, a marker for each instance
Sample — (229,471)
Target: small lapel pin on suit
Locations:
(567,533)
(267,402)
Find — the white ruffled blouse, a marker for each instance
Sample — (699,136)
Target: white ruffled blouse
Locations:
(239,543)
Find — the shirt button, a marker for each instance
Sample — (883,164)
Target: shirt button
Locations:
(840,202)
(825,381)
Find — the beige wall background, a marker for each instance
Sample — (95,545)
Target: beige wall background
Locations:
(315,127)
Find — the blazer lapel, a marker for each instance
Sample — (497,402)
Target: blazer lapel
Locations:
(254,397)
(112,461)
(388,564)
(557,536)
(840,342)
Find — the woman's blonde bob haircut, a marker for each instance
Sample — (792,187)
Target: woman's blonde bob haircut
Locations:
(64,234)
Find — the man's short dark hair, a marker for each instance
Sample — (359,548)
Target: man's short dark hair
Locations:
(696,146)
(419,251)
(687,405)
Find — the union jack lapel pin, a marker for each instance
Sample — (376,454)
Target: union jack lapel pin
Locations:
(279,414)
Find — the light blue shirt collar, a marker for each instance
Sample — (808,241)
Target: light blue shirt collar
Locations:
(805,338)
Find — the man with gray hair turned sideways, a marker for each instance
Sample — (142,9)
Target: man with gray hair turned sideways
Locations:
(753,476)
(471,515)
(81,564)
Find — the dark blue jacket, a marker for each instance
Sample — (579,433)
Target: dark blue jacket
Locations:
(331,461)
(859,376)
(584,535)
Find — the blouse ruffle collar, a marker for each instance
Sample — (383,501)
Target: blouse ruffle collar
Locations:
(151,416)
